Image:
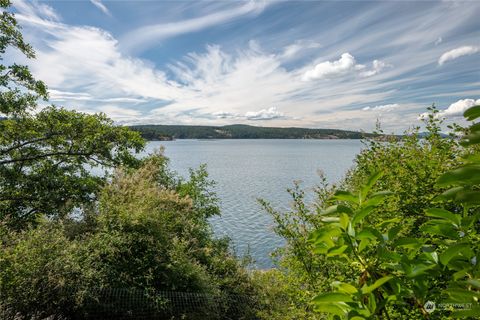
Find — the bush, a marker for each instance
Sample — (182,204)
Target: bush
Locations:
(149,232)
(410,166)
(397,274)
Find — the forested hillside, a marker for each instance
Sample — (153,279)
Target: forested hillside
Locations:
(238,131)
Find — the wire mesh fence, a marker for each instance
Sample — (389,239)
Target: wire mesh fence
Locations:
(133,304)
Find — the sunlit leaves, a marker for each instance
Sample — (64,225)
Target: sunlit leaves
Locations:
(377,284)
(443,252)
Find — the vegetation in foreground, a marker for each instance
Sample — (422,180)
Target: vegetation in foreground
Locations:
(399,234)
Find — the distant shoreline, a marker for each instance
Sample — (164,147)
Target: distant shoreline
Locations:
(177,132)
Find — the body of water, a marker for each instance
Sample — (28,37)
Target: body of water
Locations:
(245,170)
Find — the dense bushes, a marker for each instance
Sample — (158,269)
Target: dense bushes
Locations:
(395,272)
(410,169)
(149,232)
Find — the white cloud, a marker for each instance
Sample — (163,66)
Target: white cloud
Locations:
(327,69)
(377,67)
(292,50)
(438,41)
(146,36)
(264,114)
(57,95)
(457,53)
(459,107)
(118,113)
(385,107)
(35,8)
(101,6)
(217,86)
(345,65)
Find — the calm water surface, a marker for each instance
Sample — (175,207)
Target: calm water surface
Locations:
(245,170)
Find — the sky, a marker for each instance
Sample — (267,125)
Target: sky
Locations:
(317,64)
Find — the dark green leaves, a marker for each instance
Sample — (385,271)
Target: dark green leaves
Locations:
(45,160)
(472,113)
(469,174)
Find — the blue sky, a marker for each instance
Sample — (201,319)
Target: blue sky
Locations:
(333,64)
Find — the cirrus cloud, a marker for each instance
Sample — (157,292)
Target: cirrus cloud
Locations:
(457,53)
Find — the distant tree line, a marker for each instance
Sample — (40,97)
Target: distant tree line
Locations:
(169,132)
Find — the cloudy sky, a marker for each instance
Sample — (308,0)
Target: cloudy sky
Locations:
(333,64)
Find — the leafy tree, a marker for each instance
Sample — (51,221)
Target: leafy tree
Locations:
(46,153)
(150,235)
(396,272)
(410,166)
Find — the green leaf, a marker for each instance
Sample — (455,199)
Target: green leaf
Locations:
(471,139)
(431,256)
(409,243)
(338,208)
(465,175)
(393,232)
(376,198)
(468,197)
(366,234)
(363,244)
(324,235)
(472,113)
(474,282)
(450,194)
(370,183)
(458,250)
(388,255)
(330,210)
(346,196)
(361,214)
(337,251)
(418,269)
(385,223)
(444,214)
(440,228)
(332,297)
(462,295)
(337,308)
(344,287)
(344,220)
(376,284)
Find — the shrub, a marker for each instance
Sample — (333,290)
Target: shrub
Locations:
(148,233)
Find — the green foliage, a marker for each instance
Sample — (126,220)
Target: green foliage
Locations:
(275,290)
(409,167)
(150,233)
(20,91)
(46,155)
(396,272)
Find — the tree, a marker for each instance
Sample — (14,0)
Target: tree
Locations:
(150,234)
(398,272)
(46,155)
